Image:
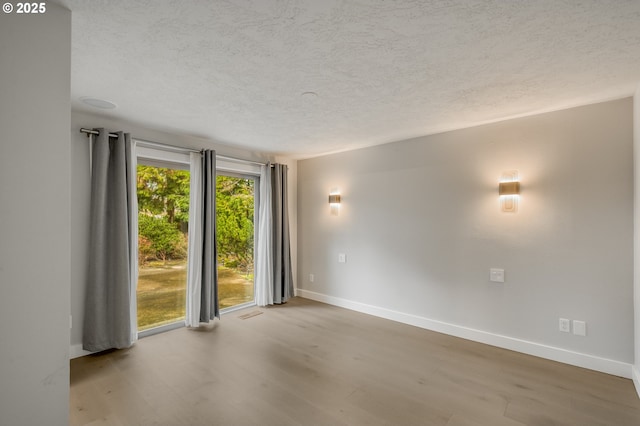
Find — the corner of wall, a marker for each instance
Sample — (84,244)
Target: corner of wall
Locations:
(636,260)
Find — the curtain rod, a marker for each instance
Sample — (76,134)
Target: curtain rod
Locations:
(150,143)
(162,145)
(95,132)
(224,157)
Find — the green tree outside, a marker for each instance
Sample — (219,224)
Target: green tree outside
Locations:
(163,214)
(235,222)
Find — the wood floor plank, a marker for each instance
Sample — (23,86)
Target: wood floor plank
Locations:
(461,420)
(307,363)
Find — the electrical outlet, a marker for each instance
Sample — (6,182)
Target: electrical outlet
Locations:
(342,258)
(564,325)
(311,278)
(496,275)
(579,328)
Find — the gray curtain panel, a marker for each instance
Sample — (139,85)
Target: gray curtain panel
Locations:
(283,278)
(107,322)
(209,308)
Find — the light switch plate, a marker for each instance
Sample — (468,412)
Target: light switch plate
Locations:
(496,275)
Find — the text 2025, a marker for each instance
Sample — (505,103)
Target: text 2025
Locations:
(31,7)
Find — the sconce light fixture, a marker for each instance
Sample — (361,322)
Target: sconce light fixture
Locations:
(334,202)
(509,191)
(509,188)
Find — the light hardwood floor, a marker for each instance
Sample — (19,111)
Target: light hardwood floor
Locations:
(307,363)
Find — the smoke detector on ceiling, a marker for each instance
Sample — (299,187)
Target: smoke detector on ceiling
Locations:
(98,103)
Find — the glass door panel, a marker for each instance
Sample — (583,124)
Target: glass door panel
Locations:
(235,208)
(163,216)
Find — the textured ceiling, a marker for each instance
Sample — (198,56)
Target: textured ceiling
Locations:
(234,71)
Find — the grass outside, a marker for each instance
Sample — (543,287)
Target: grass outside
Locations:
(162,292)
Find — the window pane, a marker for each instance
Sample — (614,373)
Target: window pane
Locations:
(235,203)
(163,217)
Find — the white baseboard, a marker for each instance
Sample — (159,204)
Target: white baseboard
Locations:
(578,359)
(635,373)
(76,351)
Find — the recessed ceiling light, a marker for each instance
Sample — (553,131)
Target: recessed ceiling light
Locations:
(98,103)
(309,95)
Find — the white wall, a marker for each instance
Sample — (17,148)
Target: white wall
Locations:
(35,55)
(80,195)
(636,278)
(421,226)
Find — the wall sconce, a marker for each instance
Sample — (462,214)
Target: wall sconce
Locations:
(334,202)
(509,191)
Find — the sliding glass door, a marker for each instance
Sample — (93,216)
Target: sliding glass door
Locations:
(163,184)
